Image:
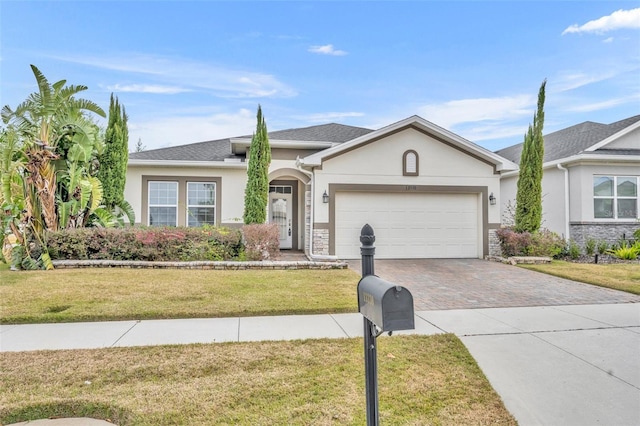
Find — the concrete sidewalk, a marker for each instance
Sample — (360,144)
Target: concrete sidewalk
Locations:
(569,365)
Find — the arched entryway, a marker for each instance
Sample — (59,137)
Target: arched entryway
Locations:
(286,206)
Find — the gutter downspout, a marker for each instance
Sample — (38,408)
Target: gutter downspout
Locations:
(312,178)
(566,200)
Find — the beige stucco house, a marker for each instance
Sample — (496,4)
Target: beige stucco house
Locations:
(426,192)
(591,174)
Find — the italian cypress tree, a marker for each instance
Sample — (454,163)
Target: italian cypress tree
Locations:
(529,196)
(113,161)
(256,193)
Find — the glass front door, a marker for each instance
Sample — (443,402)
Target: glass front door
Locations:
(280,213)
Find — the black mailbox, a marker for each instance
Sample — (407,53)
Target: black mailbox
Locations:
(388,306)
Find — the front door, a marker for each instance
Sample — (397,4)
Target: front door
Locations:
(280,212)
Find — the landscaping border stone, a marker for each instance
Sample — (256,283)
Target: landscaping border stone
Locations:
(203,265)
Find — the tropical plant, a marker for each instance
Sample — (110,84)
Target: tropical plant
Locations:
(257,189)
(49,147)
(590,246)
(529,194)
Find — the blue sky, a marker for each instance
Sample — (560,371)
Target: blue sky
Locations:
(193,71)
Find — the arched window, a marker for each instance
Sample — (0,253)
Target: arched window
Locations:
(410,165)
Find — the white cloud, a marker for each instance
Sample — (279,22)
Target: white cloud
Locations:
(451,113)
(573,80)
(497,131)
(327,49)
(325,117)
(597,106)
(608,40)
(147,88)
(163,132)
(191,75)
(620,19)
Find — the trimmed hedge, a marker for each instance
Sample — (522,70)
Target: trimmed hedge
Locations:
(146,244)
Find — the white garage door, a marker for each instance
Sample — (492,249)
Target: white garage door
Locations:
(414,225)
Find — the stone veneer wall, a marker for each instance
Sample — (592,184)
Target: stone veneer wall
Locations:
(609,232)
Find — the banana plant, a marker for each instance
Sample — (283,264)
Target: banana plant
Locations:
(47,119)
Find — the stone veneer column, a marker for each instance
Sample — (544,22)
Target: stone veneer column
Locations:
(321,241)
(307,219)
(494,244)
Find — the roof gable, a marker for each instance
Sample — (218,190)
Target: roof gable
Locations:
(421,125)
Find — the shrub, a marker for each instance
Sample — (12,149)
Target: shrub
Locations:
(513,243)
(590,247)
(543,243)
(603,246)
(261,241)
(573,250)
(141,243)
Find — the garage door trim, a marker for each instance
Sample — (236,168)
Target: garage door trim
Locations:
(483,190)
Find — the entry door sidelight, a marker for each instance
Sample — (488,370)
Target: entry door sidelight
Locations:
(280,213)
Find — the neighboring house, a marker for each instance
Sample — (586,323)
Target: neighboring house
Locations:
(425,191)
(591,174)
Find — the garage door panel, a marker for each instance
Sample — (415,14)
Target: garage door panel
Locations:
(408,225)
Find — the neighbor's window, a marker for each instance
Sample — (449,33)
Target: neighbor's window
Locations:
(410,163)
(201,203)
(615,197)
(163,203)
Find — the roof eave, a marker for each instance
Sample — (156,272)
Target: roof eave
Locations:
(617,158)
(185,163)
(240,145)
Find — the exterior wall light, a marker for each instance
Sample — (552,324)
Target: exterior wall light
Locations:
(325,197)
(492,199)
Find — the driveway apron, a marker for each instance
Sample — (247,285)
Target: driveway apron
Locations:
(557,351)
(473,283)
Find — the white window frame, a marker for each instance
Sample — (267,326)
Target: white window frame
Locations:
(615,197)
(149,206)
(212,207)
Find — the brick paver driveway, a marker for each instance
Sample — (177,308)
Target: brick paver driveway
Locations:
(475,283)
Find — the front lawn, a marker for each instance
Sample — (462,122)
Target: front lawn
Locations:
(69,295)
(422,381)
(618,276)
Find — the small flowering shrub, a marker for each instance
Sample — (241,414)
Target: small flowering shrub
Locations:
(261,241)
(146,243)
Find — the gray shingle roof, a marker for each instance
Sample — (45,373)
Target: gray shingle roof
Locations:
(572,140)
(218,150)
(332,132)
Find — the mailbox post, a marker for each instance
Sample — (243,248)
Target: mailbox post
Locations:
(367,251)
(385,307)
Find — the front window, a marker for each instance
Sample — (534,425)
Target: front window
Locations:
(163,203)
(201,203)
(615,197)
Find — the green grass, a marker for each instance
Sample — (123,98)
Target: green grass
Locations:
(618,276)
(422,381)
(71,295)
